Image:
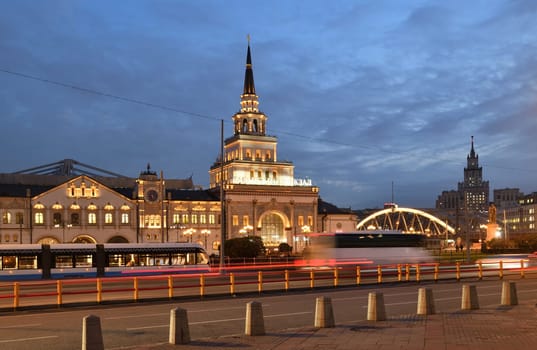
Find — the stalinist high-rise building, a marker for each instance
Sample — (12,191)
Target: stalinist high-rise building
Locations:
(262,197)
(472,193)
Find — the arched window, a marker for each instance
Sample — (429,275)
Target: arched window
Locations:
(255,126)
(245,125)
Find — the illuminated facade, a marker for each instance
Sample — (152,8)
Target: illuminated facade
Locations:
(262,197)
(57,202)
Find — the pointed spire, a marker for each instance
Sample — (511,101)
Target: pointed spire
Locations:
(249,86)
(472,151)
(249,100)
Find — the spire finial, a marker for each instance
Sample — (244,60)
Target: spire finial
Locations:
(248,38)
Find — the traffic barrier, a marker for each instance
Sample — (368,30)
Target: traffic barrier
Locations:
(92,336)
(379,274)
(136,288)
(324,315)
(179,331)
(170,287)
(254,324)
(259,281)
(375,307)
(469,299)
(425,301)
(509,295)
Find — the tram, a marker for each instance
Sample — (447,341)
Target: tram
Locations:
(365,248)
(43,261)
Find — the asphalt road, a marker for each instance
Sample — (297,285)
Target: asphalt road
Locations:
(148,322)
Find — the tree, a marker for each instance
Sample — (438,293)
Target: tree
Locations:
(285,248)
(244,247)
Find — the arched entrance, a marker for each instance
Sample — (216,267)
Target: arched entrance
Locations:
(118,239)
(48,240)
(84,239)
(273,229)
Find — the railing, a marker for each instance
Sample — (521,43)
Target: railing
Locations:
(20,295)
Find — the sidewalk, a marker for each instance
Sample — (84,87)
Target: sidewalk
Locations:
(513,327)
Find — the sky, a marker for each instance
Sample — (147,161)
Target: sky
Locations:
(372,100)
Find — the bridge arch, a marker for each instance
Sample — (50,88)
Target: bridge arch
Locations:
(406,220)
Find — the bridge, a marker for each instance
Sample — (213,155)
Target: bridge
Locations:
(407,220)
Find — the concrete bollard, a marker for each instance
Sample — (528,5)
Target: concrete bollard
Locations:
(375,307)
(509,296)
(324,315)
(469,298)
(425,301)
(179,332)
(92,336)
(254,324)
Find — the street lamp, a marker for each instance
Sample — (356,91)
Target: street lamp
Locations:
(190,232)
(206,233)
(62,225)
(246,230)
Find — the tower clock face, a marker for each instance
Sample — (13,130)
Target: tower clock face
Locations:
(151,195)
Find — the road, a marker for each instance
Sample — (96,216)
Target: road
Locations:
(148,322)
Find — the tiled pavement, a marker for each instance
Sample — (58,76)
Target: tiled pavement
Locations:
(512,327)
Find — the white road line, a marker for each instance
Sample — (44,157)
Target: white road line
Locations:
(27,339)
(219,321)
(167,313)
(22,326)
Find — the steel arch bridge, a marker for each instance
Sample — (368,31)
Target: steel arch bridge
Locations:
(406,220)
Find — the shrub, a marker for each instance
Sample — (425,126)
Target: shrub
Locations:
(244,247)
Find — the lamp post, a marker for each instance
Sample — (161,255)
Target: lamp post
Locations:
(246,230)
(189,232)
(205,234)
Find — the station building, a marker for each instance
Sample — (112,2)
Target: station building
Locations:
(71,202)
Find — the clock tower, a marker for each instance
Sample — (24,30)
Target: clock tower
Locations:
(150,198)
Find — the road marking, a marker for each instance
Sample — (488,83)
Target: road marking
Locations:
(219,321)
(27,339)
(22,325)
(135,316)
(167,313)
(289,314)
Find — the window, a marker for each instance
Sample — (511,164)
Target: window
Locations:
(38,218)
(194,219)
(211,219)
(300,221)
(245,220)
(75,219)
(124,218)
(203,219)
(235,220)
(19,219)
(92,218)
(6,218)
(56,218)
(108,218)
(310,221)
(176,218)
(184,218)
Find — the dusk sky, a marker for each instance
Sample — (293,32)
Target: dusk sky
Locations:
(359,93)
